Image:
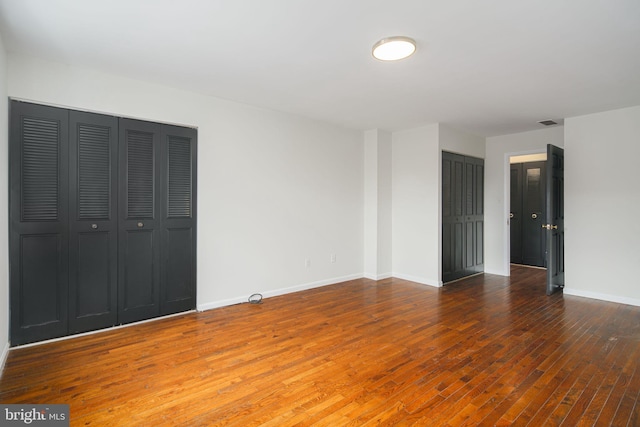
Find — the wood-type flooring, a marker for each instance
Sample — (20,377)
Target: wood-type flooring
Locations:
(489,350)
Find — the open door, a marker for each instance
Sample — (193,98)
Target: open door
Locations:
(555,219)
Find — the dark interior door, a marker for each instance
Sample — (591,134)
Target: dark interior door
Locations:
(178,267)
(533,213)
(555,218)
(139,222)
(39,237)
(93,222)
(515,215)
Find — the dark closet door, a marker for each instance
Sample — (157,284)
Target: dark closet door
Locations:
(178,267)
(453,227)
(474,215)
(462,216)
(38,222)
(139,222)
(93,222)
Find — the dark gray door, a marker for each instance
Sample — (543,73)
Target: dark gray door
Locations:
(139,221)
(462,216)
(474,215)
(515,215)
(178,227)
(453,241)
(39,237)
(533,213)
(555,219)
(93,222)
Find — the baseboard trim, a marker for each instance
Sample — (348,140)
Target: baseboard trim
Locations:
(3,357)
(107,329)
(276,292)
(602,297)
(378,276)
(497,272)
(420,280)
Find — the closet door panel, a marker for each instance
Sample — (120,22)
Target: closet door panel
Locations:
(462,216)
(93,221)
(38,209)
(140,291)
(178,267)
(42,302)
(95,282)
(139,206)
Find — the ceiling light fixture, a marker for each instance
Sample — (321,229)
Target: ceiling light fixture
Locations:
(394,48)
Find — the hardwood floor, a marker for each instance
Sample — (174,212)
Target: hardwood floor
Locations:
(488,350)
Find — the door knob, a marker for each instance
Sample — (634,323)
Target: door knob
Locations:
(549,227)
(94,226)
(534,215)
(511,215)
(140,225)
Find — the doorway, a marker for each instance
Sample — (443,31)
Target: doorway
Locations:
(528,210)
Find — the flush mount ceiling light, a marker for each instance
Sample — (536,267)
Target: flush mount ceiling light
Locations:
(394,48)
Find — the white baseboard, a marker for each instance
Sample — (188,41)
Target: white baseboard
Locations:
(377,276)
(603,297)
(497,272)
(277,292)
(421,280)
(3,357)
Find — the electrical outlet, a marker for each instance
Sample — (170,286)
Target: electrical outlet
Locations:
(307,262)
(332,258)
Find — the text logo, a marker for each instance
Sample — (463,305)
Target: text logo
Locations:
(34,415)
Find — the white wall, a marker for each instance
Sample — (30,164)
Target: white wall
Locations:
(371,204)
(4,211)
(273,189)
(602,199)
(459,142)
(377,204)
(385,153)
(496,185)
(416,207)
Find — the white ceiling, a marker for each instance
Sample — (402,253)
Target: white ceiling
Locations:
(489,67)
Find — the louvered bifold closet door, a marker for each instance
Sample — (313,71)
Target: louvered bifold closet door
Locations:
(139,220)
(474,215)
(93,222)
(453,221)
(38,203)
(178,267)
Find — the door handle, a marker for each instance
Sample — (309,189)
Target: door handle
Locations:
(549,227)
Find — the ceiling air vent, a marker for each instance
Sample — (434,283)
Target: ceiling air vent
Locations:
(548,122)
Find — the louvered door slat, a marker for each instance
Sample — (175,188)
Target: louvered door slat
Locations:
(40,157)
(179,197)
(94,172)
(140,175)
